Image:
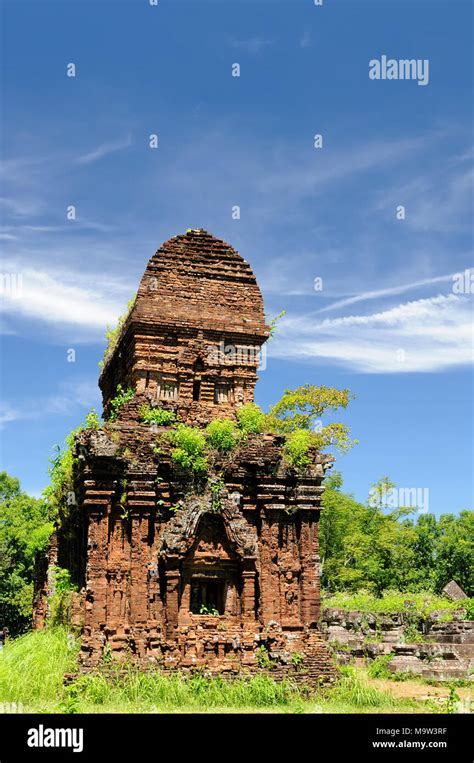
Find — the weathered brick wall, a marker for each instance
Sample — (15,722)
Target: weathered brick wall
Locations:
(147,544)
(134,595)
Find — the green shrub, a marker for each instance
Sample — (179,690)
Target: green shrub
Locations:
(189,449)
(378,667)
(297,659)
(92,421)
(122,397)
(468,605)
(251,419)
(391,602)
(296,448)
(160,416)
(263,658)
(222,435)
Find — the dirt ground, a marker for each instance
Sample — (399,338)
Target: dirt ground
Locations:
(416,690)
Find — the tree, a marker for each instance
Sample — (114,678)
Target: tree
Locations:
(25,529)
(375,549)
(455,551)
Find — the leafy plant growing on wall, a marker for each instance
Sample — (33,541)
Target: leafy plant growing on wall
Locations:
(205,610)
(58,494)
(122,396)
(263,658)
(251,419)
(222,435)
(216,487)
(189,447)
(112,334)
(160,416)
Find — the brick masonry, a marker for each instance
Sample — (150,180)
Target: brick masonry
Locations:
(146,547)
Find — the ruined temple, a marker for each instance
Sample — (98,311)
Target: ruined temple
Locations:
(220,573)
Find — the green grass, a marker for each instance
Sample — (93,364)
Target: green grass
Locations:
(32,666)
(32,669)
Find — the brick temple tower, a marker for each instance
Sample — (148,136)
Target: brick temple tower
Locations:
(150,550)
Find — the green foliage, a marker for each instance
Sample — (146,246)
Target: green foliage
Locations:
(468,605)
(296,448)
(251,419)
(160,416)
(300,410)
(212,611)
(189,449)
(71,703)
(92,421)
(216,487)
(452,700)
(222,435)
(455,551)
(302,407)
(122,397)
(297,659)
(391,602)
(58,494)
(60,601)
(272,322)
(263,658)
(25,529)
(112,334)
(378,667)
(412,634)
(368,547)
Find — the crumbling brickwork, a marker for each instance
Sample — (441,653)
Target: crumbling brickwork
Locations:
(167,574)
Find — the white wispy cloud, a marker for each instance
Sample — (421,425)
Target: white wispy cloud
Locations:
(439,201)
(109,147)
(390,291)
(253,45)
(424,335)
(41,296)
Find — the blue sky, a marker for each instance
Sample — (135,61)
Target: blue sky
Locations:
(387,323)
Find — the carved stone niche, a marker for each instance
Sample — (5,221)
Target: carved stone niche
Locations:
(214,557)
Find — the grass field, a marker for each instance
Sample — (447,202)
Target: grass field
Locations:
(32,669)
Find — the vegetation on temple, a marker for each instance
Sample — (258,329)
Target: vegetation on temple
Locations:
(123,396)
(372,559)
(112,334)
(160,416)
(363,546)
